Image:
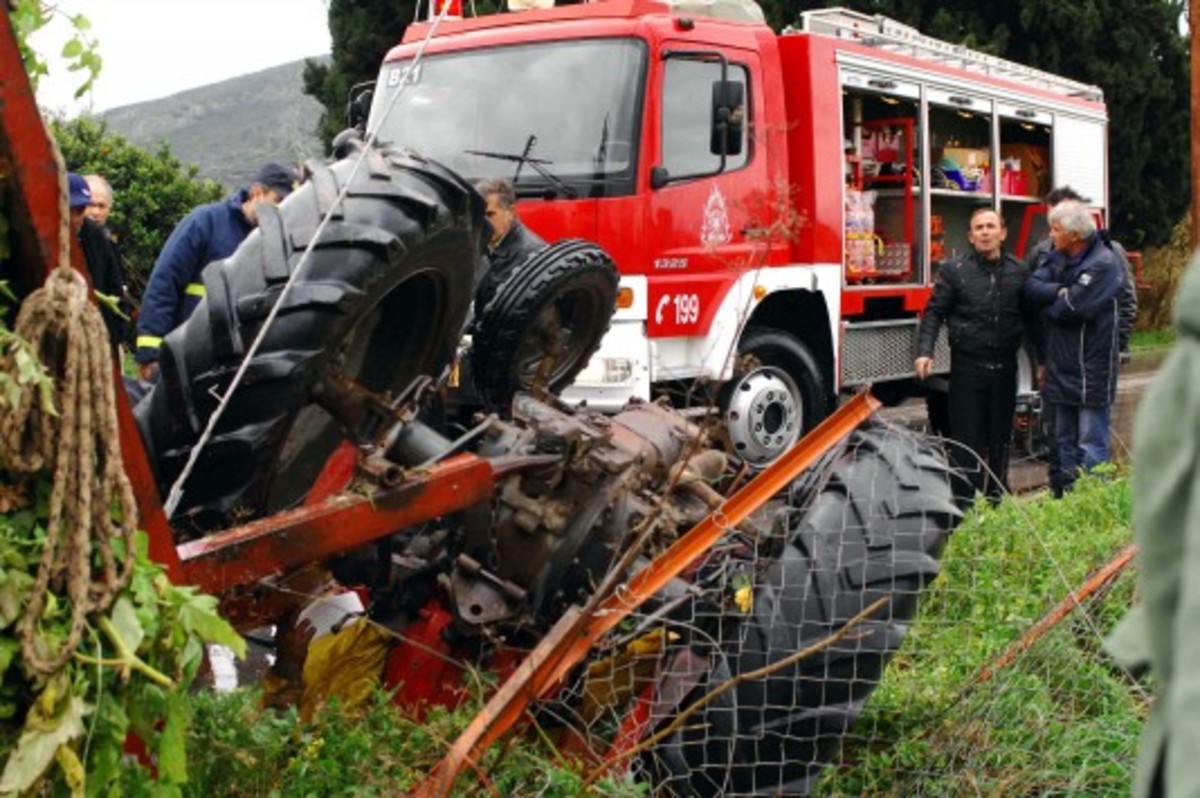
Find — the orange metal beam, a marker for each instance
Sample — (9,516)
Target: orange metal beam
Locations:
(286,540)
(569,641)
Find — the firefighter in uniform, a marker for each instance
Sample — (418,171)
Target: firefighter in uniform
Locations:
(209,233)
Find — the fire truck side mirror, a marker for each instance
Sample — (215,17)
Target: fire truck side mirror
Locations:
(358,107)
(728,117)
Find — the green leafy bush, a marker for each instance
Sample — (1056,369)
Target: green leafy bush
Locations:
(153,190)
(237,748)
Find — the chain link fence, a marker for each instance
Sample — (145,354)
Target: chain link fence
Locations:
(856,639)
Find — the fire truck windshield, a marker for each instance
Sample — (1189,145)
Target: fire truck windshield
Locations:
(567,112)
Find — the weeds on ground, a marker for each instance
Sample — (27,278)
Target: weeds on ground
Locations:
(1061,719)
(236,748)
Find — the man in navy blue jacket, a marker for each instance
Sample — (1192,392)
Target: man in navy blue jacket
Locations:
(209,233)
(1079,291)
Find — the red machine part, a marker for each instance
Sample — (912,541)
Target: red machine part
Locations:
(31,171)
(422,667)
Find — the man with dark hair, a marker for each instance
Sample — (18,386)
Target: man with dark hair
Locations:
(979,299)
(511,242)
(209,233)
(1078,290)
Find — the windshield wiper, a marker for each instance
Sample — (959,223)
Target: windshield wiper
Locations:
(536,164)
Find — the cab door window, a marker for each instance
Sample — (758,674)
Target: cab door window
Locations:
(687,118)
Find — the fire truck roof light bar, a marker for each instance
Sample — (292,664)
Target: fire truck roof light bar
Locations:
(888,34)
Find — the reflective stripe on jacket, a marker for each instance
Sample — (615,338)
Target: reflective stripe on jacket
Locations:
(209,233)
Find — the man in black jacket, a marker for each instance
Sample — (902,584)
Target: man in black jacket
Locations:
(511,242)
(101,259)
(979,299)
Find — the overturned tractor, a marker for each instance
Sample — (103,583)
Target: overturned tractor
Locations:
(481,530)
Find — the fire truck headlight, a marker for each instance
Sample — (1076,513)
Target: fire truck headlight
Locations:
(618,369)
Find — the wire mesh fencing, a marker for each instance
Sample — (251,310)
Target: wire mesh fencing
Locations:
(857,639)
(862,634)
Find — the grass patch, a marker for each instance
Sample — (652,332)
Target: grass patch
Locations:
(1143,340)
(1059,720)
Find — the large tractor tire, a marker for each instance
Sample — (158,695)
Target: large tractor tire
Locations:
(380,300)
(544,322)
(777,394)
(870,525)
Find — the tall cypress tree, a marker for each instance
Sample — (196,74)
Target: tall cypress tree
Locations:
(362,31)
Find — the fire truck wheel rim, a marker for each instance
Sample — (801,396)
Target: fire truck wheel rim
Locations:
(765,415)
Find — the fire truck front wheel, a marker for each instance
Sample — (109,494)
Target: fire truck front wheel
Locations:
(776,395)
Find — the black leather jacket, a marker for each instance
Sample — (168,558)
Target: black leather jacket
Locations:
(518,244)
(981,304)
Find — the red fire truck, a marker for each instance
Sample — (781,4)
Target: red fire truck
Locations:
(777,205)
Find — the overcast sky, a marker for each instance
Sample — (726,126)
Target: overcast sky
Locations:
(154,48)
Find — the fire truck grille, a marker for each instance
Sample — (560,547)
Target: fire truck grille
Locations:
(880,351)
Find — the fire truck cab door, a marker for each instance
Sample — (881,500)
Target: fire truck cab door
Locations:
(700,226)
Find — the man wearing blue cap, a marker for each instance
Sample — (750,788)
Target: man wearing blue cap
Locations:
(100,257)
(209,233)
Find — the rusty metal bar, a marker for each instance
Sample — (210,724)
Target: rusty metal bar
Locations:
(576,632)
(287,540)
(1091,586)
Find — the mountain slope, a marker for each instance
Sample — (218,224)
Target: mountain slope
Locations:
(230,128)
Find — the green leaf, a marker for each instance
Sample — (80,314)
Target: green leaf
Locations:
(10,391)
(172,751)
(126,622)
(106,745)
(9,648)
(73,48)
(198,616)
(15,587)
(193,656)
(159,790)
(38,745)
(72,769)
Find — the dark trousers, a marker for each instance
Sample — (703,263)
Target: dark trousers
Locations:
(983,398)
